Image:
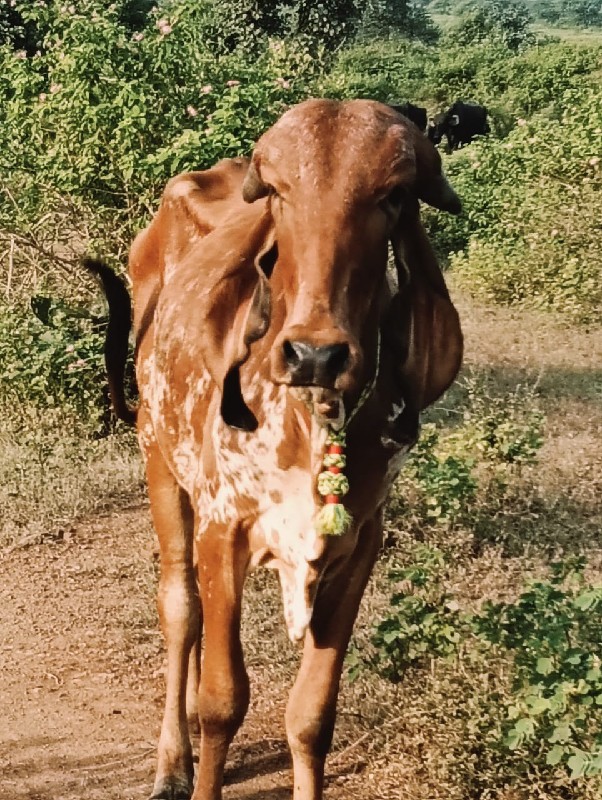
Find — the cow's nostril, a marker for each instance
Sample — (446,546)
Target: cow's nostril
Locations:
(334,358)
(295,352)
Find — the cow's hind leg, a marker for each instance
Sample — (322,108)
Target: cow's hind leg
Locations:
(224,688)
(178,605)
(311,710)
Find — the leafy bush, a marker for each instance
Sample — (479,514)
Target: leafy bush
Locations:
(425,622)
(493,21)
(52,360)
(553,631)
(534,241)
(446,482)
(397,17)
(454,474)
(551,709)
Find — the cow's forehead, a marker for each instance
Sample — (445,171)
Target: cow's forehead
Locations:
(327,144)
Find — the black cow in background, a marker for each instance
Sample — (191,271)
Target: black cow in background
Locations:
(459,124)
(415,114)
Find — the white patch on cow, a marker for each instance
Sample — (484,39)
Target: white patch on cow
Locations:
(299,587)
(170,268)
(146,438)
(156,390)
(280,502)
(187,451)
(396,411)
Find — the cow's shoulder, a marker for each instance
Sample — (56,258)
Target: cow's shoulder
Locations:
(193,205)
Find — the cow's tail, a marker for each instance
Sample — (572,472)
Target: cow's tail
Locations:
(117,337)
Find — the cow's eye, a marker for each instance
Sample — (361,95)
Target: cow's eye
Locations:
(392,203)
(396,196)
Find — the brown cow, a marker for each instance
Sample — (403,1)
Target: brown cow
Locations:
(265,320)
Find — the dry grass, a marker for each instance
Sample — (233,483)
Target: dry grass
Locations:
(52,472)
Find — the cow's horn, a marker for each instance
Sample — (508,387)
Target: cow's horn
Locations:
(253,187)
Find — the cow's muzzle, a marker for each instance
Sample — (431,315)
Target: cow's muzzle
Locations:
(328,359)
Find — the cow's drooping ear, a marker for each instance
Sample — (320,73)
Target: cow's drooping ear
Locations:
(423,326)
(234,304)
(431,185)
(253,325)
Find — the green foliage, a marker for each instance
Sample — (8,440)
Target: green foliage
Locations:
(424,623)
(585,13)
(503,430)
(445,480)
(55,360)
(397,17)
(552,711)
(246,25)
(554,632)
(504,21)
(534,241)
(452,474)
(95,125)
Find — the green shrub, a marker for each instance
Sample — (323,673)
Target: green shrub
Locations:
(425,622)
(547,641)
(52,360)
(454,475)
(533,241)
(553,632)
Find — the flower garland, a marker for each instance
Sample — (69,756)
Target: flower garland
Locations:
(333,519)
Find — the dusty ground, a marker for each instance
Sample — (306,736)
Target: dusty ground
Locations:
(81,660)
(81,683)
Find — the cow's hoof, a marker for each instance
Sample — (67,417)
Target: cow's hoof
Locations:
(172,789)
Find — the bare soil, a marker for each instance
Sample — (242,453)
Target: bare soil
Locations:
(81,679)
(82,660)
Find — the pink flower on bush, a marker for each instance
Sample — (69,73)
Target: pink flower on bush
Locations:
(593,162)
(208,131)
(191,111)
(138,37)
(283,83)
(164,26)
(21,54)
(521,122)
(42,97)
(207,89)
(55,87)
(232,83)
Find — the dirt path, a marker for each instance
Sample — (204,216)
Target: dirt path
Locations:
(81,675)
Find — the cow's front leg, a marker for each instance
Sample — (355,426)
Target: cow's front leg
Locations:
(223,556)
(311,710)
(192,683)
(178,605)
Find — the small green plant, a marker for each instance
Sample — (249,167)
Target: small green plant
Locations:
(506,430)
(425,622)
(445,480)
(554,633)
